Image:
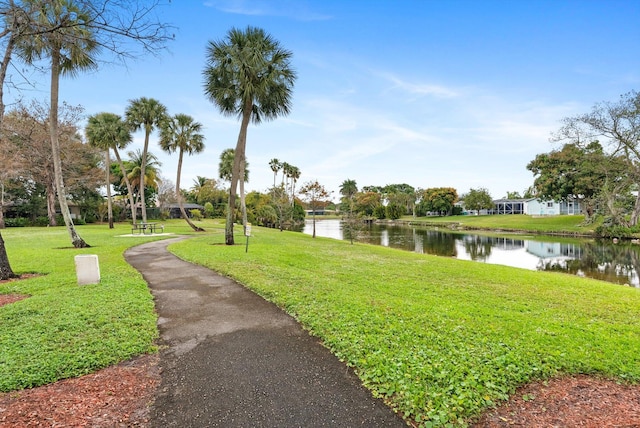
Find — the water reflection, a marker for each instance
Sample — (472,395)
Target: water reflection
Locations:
(602,260)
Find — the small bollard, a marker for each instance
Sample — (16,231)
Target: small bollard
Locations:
(87,269)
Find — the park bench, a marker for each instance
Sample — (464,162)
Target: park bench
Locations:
(144,228)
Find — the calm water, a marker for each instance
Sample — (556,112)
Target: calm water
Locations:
(619,263)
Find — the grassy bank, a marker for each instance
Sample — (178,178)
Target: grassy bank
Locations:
(568,224)
(439,339)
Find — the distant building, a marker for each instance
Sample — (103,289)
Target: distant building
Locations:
(531,206)
(174,209)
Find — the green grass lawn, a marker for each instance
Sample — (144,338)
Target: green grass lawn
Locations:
(65,330)
(439,339)
(571,224)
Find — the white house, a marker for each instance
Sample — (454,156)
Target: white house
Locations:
(540,207)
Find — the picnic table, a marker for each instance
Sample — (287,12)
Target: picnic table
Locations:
(146,228)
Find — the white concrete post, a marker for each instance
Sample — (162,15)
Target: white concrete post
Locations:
(87,269)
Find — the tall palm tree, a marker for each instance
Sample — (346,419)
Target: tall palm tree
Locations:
(248,75)
(294,174)
(275,167)
(133,170)
(184,135)
(107,131)
(62,35)
(147,113)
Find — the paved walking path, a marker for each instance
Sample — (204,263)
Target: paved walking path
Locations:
(231,359)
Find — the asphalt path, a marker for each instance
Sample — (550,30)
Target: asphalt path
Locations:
(231,359)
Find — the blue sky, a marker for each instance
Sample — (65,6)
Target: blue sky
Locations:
(431,93)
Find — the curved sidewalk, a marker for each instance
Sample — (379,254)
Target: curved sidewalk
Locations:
(231,359)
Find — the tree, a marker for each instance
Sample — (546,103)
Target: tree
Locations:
(315,195)
(574,172)
(615,125)
(133,169)
(248,75)
(148,114)
(70,48)
(107,131)
(437,200)
(114,21)
(478,199)
(351,223)
(275,166)
(225,171)
(183,134)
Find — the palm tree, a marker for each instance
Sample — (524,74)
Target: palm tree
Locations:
(247,75)
(348,188)
(295,174)
(107,131)
(61,34)
(181,133)
(225,169)
(133,170)
(275,167)
(147,113)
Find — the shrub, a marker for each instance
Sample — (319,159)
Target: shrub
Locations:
(16,222)
(196,214)
(379,212)
(41,221)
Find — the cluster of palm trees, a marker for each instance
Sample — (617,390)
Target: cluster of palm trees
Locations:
(68,36)
(290,176)
(179,133)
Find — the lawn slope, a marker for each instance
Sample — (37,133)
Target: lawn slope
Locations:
(439,339)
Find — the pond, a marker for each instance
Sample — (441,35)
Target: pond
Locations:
(617,263)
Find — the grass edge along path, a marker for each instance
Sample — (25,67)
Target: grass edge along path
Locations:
(440,340)
(65,330)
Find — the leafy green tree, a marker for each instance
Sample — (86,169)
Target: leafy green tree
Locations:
(394,211)
(366,202)
(351,224)
(478,199)
(615,125)
(183,134)
(148,114)
(438,200)
(576,172)
(247,75)
(107,131)
(316,196)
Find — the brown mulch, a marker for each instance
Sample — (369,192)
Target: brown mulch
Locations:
(120,396)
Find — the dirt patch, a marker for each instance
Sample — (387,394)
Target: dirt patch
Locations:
(6,299)
(118,396)
(579,401)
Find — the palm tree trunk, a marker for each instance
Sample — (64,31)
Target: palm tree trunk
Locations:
(179,196)
(236,172)
(109,204)
(128,183)
(76,240)
(51,202)
(5,267)
(243,203)
(143,167)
